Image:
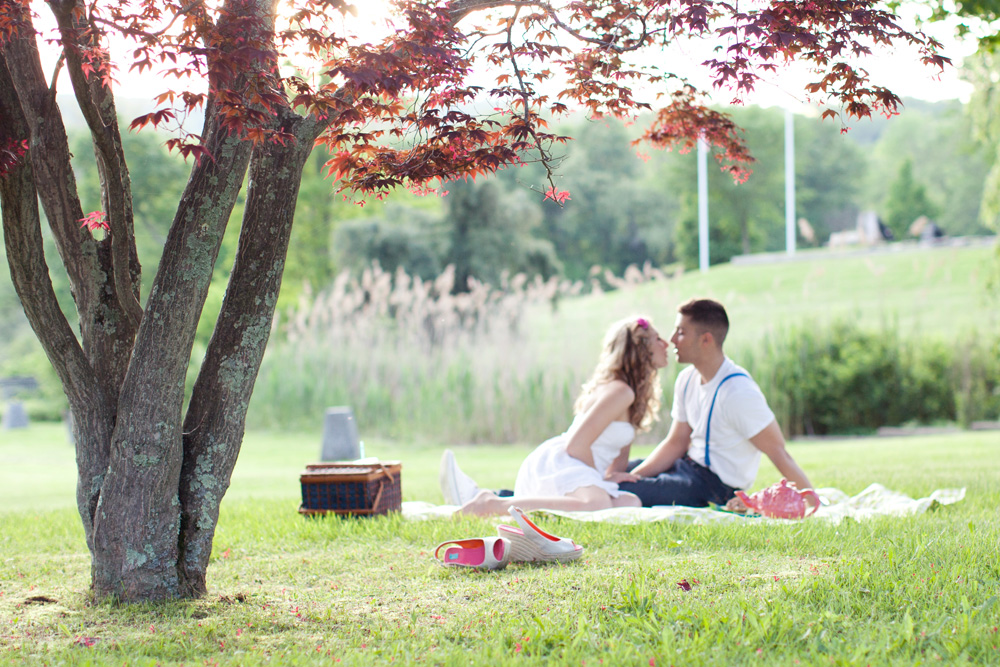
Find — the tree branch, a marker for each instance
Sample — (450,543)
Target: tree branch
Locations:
(93,95)
(462,8)
(51,161)
(29,272)
(155,34)
(87,262)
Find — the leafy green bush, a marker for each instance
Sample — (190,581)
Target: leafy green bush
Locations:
(976,380)
(843,379)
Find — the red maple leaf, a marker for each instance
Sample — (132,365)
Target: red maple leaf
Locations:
(95,220)
(557,196)
(11,153)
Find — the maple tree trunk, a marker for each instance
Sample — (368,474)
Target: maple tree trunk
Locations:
(216,417)
(135,544)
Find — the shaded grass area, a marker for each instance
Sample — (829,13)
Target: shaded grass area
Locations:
(291,591)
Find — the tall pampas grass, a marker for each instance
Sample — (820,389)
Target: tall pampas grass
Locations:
(413,359)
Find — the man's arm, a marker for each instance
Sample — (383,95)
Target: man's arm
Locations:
(771,442)
(673,447)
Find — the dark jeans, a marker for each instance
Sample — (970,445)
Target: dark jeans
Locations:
(684,483)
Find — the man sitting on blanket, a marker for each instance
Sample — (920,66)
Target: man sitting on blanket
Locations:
(721,424)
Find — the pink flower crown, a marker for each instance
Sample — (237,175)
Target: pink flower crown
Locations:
(642,323)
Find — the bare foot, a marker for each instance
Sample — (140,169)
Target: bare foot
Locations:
(485,503)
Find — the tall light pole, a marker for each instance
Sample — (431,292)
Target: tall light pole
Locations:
(789,182)
(702,205)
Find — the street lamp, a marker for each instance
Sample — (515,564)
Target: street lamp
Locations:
(702,205)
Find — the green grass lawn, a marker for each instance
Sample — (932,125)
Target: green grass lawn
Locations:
(291,591)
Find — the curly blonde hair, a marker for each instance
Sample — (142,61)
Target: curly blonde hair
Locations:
(628,356)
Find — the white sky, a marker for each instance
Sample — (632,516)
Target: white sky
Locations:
(898,70)
(901,71)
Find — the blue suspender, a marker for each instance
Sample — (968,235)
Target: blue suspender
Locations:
(708,424)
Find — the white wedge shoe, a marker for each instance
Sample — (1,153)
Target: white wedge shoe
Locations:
(529,543)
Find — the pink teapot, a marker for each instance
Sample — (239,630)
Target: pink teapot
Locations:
(781,501)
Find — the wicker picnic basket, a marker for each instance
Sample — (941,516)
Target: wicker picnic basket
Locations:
(356,489)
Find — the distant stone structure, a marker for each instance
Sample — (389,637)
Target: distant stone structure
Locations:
(926,230)
(869,231)
(14,414)
(806,231)
(918,226)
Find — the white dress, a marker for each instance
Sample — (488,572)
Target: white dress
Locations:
(550,471)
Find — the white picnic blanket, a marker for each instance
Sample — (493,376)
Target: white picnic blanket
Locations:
(874,501)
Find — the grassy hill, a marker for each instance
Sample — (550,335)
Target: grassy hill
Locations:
(920,290)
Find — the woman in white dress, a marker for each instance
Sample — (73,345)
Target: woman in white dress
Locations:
(581,468)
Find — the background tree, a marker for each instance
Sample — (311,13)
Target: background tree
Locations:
(907,201)
(310,248)
(829,173)
(152,474)
(618,215)
(490,232)
(937,140)
(979,20)
(482,230)
(745,217)
(399,237)
(981,70)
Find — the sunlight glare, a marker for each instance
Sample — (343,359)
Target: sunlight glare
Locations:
(372,20)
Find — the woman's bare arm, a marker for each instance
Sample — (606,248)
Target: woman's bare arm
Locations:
(611,403)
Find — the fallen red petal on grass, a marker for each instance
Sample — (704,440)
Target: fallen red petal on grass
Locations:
(684,585)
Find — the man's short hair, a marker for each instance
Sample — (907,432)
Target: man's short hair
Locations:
(707,315)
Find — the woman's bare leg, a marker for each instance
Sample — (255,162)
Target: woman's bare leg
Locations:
(588,498)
